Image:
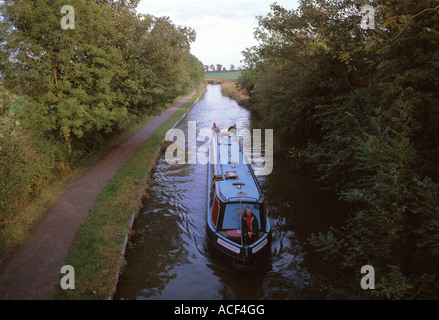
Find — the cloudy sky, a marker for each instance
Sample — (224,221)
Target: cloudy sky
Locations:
(224,27)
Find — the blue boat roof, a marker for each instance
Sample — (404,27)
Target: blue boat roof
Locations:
(239,181)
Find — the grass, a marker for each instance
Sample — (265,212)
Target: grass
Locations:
(231,75)
(96,251)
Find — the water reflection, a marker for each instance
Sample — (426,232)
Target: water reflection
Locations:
(169,257)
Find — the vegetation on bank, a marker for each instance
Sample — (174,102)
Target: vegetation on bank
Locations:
(66,94)
(359,109)
(231,90)
(96,251)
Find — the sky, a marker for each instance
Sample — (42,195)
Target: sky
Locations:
(224,27)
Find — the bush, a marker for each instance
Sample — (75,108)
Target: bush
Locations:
(15,156)
(26,161)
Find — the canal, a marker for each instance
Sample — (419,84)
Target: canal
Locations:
(168,257)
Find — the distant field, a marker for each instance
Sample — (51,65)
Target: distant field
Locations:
(233,75)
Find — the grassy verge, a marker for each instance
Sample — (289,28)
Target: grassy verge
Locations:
(96,251)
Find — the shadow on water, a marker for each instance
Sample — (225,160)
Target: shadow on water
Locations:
(168,258)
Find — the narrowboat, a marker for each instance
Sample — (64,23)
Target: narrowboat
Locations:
(232,187)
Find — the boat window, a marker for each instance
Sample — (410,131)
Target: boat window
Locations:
(232,217)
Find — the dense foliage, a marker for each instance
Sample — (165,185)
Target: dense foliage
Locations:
(68,91)
(360,109)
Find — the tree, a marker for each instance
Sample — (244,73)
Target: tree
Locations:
(219,67)
(65,74)
(87,83)
(360,109)
(79,87)
(232,67)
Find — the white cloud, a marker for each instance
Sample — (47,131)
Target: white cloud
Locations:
(224,27)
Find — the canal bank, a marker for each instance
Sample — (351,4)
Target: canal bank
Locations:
(100,244)
(145,194)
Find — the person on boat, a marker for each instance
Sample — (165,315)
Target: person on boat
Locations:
(249,226)
(232,128)
(215,128)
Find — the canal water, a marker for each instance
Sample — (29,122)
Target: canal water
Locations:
(168,257)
